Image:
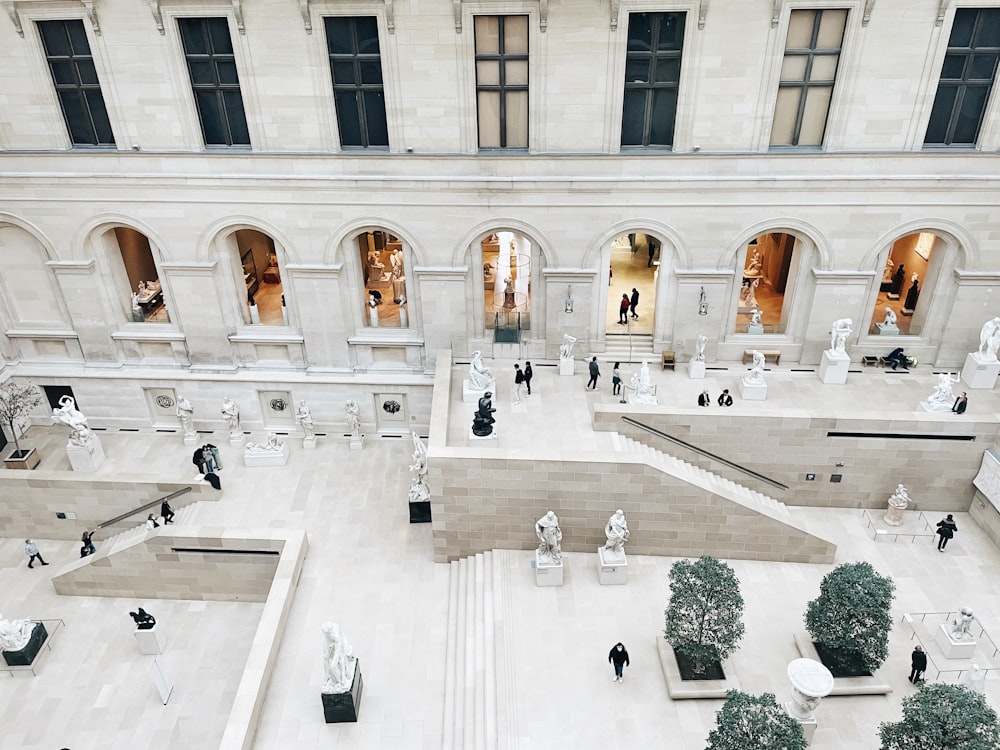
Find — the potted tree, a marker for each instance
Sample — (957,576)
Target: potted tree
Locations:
(754,721)
(15,403)
(850,620)
(703,618)
(943,717)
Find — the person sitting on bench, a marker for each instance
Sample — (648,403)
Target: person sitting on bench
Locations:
(896,358)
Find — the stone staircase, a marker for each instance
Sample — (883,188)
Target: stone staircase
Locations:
(479,706)
(616,348)
(707,480)
(131,535)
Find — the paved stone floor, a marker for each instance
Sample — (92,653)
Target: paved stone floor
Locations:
(372,571)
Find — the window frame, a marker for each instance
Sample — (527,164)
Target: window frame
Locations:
(502,57)
(359,87)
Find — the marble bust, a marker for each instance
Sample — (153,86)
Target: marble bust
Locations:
(339,662)
(958,630)
(616,531)
(15,634)
(838,335)
(480,376)
(549,538)
(989,340)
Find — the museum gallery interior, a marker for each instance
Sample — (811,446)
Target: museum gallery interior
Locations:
(265,276)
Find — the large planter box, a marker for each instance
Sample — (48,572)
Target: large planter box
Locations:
(26,459)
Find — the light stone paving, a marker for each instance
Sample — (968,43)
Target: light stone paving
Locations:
(372,572)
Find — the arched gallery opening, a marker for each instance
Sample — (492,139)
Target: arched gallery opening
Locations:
(635,265)
(507,268)
(138,280)
(383,267)
(259,274)
(30,292)
(768,266)
(909,273)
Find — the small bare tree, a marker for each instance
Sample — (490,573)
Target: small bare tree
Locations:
(15,402)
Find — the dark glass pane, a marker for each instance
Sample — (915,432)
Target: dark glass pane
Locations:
(989,28)
(338,36)
(78,38)
(371,72)
(193,36)
(63,72)
(348,118)
(367,31)
(640,32)
(343,72)
(226,70)
(661,125)
(202,72)
(962,27)
(953,66)
(637,71)
(218,32)
(633,116)
(671,32)
(970,114)
(211,118)
(944,102)
(983,67)
(99,116)
(87,72)
(668,70)
(54,38)
(77,118)
(238,132)
(378,133)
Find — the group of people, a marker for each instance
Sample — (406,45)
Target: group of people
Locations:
(725,398)
(522,379)
(628,306)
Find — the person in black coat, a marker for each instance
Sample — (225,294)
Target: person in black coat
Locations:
(527,376)
(725,399)
(618,657)
(946,530)
(918,663)
(896,358)
(960,403)
(167,512)
(704,399)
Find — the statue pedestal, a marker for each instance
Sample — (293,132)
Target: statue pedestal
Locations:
(833,367)
(894,515)
(85,457)
(344,707)
(755,328)
(887,329)
(420,511)
(191,439)
(980,372)
(696,370)
(936,405)
(357,443)
(472,395)
(26,655)
(611,569)
(309,442)
(236,439)
(548,573)
(952,648)
(753,391)
(481,438)
(257,459)
(567,367)
(150,641)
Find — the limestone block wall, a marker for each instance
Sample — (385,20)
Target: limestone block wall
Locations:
(984,513)
(936,467)
(481,503)
(29,501)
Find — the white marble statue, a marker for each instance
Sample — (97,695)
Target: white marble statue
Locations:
(899,498)
(958,630)
(755,264)
(642,385)
(942,391)
(231,413)
(702,302)
(396,259)
(136,310)
(339,662)
(989,340)
(748,297)
(699,349)
(616,532)
(568,303)
(303,417)
(839,333)
(15,634)
(549,538)
(566,349)
(890,319)
(755,316)
(375,266)
(273,445)
(419,465)
(185,414)
(480,376)
(353,418)
(756,374)
(887,271)
(69,415)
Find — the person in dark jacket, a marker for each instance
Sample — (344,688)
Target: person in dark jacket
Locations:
(87,540)
(725,399)
(167,512)
(704,399)
(946,530)
(634,303)
(960,404)
(623,310)
(918,663)
(595,373)
(618,657)
(527,376)
(897,358)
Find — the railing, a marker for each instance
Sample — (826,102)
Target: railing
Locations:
(707,454)
(507,327)
(990,651)
(51,628)
(143,508)
(877,533)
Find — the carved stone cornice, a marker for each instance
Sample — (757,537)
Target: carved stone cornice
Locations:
(14,13)
(543,14)
(155,7)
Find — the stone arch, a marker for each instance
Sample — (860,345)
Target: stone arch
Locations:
(478,231)
(594,255)
(967,253)
(332,253)
(229,224)
(803,229)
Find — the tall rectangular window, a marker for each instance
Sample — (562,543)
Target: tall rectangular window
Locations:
(502,81)
(212,67)
(68,54)
(808,72)
(356,64)
(967,76)
(652,78)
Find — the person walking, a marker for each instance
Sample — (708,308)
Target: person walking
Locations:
(725,399)
(167,512)
(518,382)
(634,303)
(87,540)
(623,311)
(618,657)
(616,380)
(595,373)
(918,663)
(946,530)
(704,399)
(31,550)
(527,376)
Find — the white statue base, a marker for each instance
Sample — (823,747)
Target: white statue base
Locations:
(887,329)
(696,370)
(472,395)
(86,457)
(191,439)
(150,641)
(834,366)
(548,573)
(567,366)
(755,328)
(236,439)
(952,648)
(258,458)
(751,391)
(980,372)
(357,443)
(645,399)
(491,437)
(309,442)
(936,405)
(612,569)
(894,515)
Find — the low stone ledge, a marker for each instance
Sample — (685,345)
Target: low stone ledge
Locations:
(679,689)
(873,685)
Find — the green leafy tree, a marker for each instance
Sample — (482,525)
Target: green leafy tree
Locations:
(15,402)
(752,722)
(851,617)
(943,717)
(703,617)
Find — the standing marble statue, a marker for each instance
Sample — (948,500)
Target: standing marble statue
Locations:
(756,374)
(755,316)
(549,538)
(303,417)
(15,634)
(566,349)
(960,625)
(989,340)
(480,376)
(699,349)
(67,414)
(419,491)
(838,335)
(616,532)
(231,413)
(642,386)
(339,662)
(185,414)
(353,418)
(943,398)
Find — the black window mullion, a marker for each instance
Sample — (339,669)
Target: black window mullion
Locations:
(655,60)
(355,130)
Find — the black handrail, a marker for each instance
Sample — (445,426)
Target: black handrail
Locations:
(707,454)
(142,508)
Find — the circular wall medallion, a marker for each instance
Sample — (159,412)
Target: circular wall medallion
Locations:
(164,402)
(391,407)
(278,404)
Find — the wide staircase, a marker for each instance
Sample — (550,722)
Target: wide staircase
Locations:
(131,535)
(479,707)
(617,348)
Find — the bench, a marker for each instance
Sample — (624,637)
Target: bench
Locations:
(668,360)
(770,355)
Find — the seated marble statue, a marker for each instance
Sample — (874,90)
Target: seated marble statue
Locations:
(376,267)
(549,538)
(566,349)
(942,391)
(642,384)
(272,445)
(890,319)
(989,339)
(616,532)
(960,624)
(143,620)
(482,422)
(755,316)
(339,662)
(480,376)
(840,331)
(755,264)
(899,498)
(15,634)
(756,374)
(69,415)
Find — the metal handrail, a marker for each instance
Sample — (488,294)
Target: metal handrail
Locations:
(142,508)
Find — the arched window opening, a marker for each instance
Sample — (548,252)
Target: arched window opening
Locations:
(383,266)
(146,302)
(265,295)
(507,284)
(767,269)
(904,291)
(632,277)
